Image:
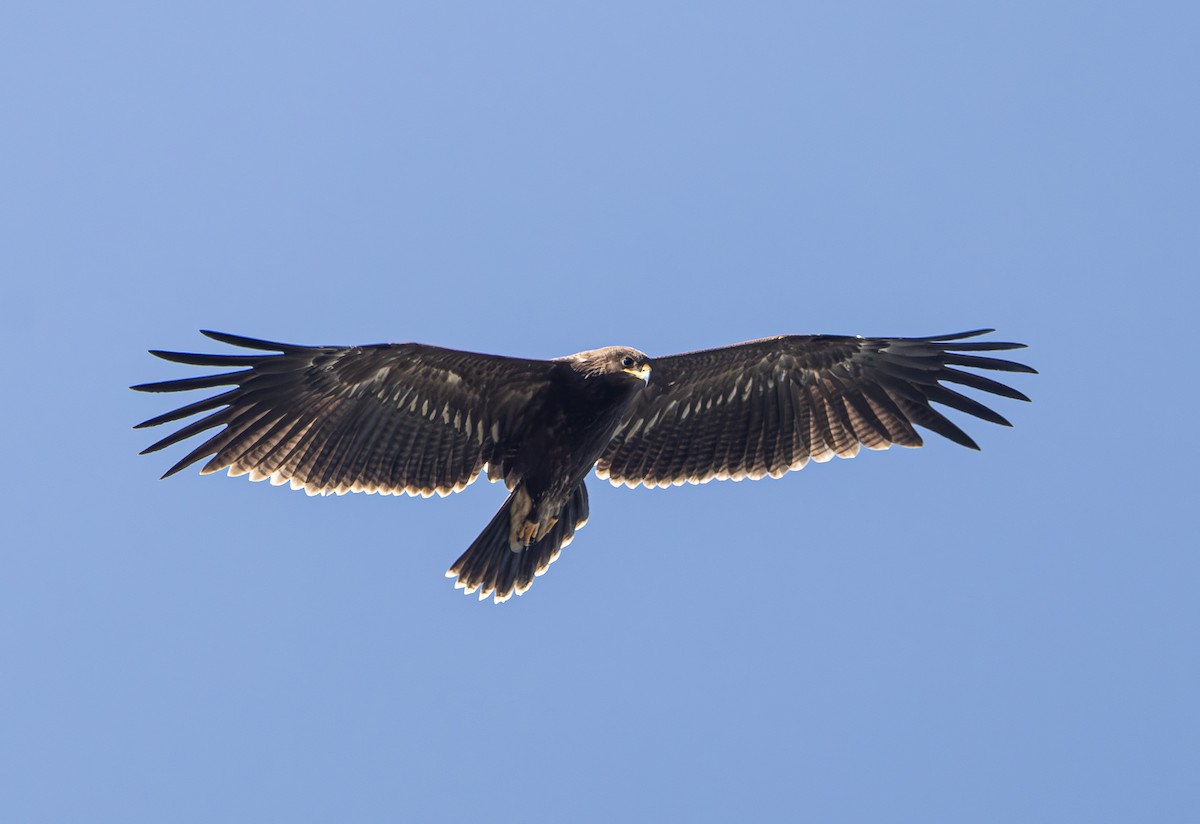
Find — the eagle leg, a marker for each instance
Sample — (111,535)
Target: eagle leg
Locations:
(545,530)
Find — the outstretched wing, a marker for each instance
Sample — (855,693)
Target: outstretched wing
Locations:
(387,418)
(769,406)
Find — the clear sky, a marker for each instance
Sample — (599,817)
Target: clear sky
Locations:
(935,635)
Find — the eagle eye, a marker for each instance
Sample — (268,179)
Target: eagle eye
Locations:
(628,361)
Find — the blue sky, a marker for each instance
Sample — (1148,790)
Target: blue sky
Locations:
(932,635)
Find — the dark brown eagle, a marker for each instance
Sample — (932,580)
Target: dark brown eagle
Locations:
(416,419)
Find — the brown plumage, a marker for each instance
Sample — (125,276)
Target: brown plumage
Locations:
(422,420)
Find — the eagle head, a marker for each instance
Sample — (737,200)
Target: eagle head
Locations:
(611,360)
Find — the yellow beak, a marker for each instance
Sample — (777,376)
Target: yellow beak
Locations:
(642,371)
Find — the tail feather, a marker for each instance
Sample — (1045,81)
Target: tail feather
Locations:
(492,568)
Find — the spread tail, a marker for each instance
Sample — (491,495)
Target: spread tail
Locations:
(490,566)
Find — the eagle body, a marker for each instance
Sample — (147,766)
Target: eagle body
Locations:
(579,412)
(416,419)
(581,404)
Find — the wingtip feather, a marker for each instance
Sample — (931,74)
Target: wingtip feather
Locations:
(972,333)
(249,343)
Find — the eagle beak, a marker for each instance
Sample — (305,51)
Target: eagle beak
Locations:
(643,372)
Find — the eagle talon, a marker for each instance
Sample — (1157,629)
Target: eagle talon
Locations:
(530,532)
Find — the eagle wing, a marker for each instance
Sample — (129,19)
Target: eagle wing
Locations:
(388,418)
(769,406)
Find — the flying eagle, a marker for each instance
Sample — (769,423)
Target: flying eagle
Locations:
(416,419)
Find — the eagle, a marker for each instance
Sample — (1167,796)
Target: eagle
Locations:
(415,419)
